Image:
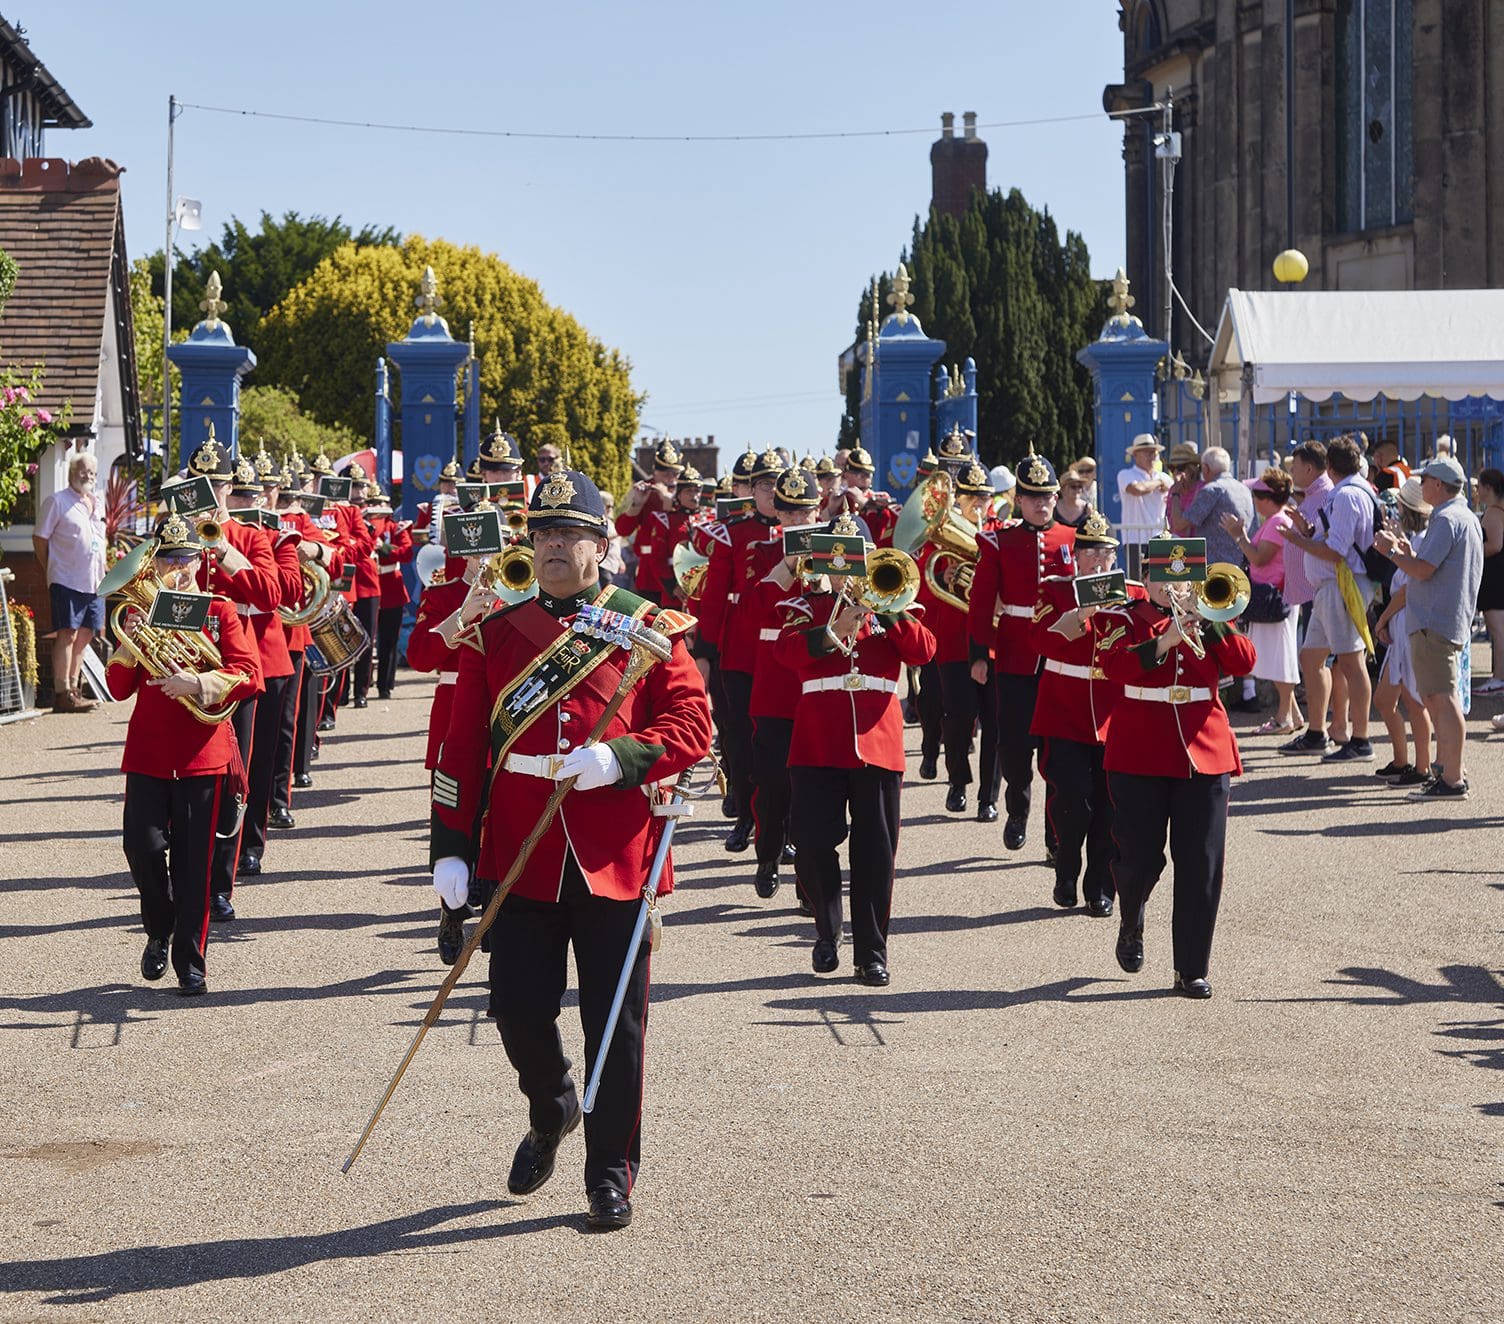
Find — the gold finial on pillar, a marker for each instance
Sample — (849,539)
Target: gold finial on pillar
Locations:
(900,300)
(211,303)
(1120,301)
(428,302)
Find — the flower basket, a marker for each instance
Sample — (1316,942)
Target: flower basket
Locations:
(23,627)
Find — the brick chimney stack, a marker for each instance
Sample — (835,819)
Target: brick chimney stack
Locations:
(957,165)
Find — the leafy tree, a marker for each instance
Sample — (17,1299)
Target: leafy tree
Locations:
(999,286)
(271,419)
(257,267)
(542,375)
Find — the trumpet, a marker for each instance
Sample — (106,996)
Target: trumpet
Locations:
(1222,596)
(506,577)
(516,520)
(890,585)
(212,535)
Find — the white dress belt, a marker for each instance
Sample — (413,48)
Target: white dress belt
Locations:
(852,680)
(535,765)
(245,609)
(448,677)
(733,597)
(391,569)
(1074,670)
(1010,609)
(768,636)
(1168,694)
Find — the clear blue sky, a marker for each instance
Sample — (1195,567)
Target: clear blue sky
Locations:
(728,273)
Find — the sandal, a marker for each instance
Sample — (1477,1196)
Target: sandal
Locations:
(1273,728)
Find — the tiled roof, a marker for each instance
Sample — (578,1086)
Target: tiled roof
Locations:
(61,224)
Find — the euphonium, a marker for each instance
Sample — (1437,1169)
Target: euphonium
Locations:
(891,583)
(930,516)
(1223,595)
(161,652)
(315,593)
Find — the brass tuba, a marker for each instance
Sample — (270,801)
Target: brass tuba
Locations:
(930,516)
(160,652)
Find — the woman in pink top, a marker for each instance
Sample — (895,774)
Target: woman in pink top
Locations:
(1278,659)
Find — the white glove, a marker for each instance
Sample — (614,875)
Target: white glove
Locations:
(593,765)
(451,880)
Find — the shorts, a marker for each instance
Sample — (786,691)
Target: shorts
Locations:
(73,610)
(1331,628)
(1434,662)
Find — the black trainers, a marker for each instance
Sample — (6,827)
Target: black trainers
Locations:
(1440,790)
(1412,776)
(1311,742)
(1393,769)
(1354,751)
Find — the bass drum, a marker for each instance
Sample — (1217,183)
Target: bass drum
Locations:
(339,639)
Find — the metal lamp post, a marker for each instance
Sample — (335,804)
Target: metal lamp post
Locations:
(182,214)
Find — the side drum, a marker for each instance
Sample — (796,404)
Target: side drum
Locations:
(339,639)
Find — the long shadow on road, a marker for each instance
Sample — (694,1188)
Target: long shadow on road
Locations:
(81,1279)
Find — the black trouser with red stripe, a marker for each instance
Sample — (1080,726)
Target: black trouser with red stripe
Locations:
(736,737)
(290,720)
(169,837)
(966,703)
(770,783)
(366,610)
(822,798)
(529,973)
(929,703)
(388,631)
(1193,812)
(227,832)
(1080,810)
(261,767)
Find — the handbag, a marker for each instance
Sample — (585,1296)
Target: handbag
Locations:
(1266,605)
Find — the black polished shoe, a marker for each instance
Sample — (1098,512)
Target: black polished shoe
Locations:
(1130,948)
(1099,907)
(451,935)
(788,854)
(302,781)
(825,957)
(929,769)
(250,866)
(1200,989)
(986,812)
(154,959)
(281,818)
(728,806)
(766,881)
(220,907)
(609,1210)
(740,836)
(805,909)
(534,1162)
(326,724)
(1049,857)
(1065,895)
(1013,832)
(192,985)
(955,800)
(360,703)
(383,695)
(874,974)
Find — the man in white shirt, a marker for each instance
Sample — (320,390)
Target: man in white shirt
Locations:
(69,542)
(1142,490)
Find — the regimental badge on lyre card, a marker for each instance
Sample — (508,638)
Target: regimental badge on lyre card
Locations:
(473,532)
(179,611)
(1098,590)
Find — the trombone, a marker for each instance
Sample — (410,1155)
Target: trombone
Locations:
(1222,596)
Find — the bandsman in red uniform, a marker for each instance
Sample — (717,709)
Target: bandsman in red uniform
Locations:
(846,763)
(547,687)
(946,682)
(499,459)
(1070,717)
(367,602)
(449,478)
(241,566)
(321,545)
(177,769)
(275,483)
(775,688)
(1170,757)
(644,517)
(856,496)
(1012,562)
(732,632)
(394,549)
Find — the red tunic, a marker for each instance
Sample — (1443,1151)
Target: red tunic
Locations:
(256,592)
(427,651)
(881,520)
(727,577)
(775,686)
(163,738)
(647,530)
(1158,739)
(1075,706)
(390,563)
(1012,562)
(611,829)
(945,622)
(840,727)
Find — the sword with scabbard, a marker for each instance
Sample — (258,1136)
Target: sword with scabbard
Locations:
(647,648)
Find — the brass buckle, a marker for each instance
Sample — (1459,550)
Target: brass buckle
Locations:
(1096,673)
(555,765)
(1180,694)
(853,681)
